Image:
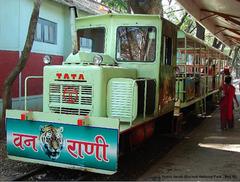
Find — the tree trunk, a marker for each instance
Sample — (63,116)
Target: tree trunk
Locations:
(129,9)
(7,87)
(147,7)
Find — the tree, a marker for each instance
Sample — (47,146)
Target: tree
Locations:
(177,15)
(117,5)
(147,6)
(137,6)
(182,20)
(7,87)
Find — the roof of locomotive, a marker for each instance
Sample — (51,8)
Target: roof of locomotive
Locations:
(116,15)
(123,19)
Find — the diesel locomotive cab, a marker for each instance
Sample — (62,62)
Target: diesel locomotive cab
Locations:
(79,86)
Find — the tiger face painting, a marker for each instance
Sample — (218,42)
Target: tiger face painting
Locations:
(51,141)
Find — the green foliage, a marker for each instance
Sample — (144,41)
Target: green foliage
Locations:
(188,24)
(174,13)
(117,5)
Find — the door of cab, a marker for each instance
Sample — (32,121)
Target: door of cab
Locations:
(167,67)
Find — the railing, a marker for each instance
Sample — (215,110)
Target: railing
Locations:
(25,88)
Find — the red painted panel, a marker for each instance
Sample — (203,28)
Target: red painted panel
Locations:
(8,60)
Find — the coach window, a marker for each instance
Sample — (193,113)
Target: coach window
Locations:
(168,47)
(91,39)
(46,31)
(136,44)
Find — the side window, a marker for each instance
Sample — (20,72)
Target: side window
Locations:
(46,31)
(168,50)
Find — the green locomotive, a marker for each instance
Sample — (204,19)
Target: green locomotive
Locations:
(111,92)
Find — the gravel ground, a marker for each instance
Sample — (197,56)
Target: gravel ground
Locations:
(10,168)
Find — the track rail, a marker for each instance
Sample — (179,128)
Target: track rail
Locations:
(46,173)
(32,173)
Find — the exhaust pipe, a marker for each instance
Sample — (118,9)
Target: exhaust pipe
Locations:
(73,15)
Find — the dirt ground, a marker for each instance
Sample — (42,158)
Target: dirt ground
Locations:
(206,154)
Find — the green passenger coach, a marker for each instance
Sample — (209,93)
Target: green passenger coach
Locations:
(110,93)
(198,75)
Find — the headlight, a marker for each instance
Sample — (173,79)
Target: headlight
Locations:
(46,59)
(97,59)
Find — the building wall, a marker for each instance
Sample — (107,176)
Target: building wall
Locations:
(14,21)
(13,29)
(9,25)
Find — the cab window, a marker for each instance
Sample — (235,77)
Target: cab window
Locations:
(136,44)
(91,40)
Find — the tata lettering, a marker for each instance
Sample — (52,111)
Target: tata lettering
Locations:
(67,76)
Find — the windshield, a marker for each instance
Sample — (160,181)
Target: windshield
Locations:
(91,40)
(136,44)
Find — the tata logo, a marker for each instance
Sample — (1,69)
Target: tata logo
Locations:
(66,76)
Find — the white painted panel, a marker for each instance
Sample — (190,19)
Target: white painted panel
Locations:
(9,26)
(14,23)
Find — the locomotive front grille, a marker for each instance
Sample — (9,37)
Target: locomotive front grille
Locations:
(62,110)
(70,99)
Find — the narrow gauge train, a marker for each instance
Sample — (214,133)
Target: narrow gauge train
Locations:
(106,97)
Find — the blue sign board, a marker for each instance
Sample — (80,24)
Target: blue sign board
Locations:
(84,146)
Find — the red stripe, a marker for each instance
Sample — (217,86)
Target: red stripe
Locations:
(8,60)
(34,66)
